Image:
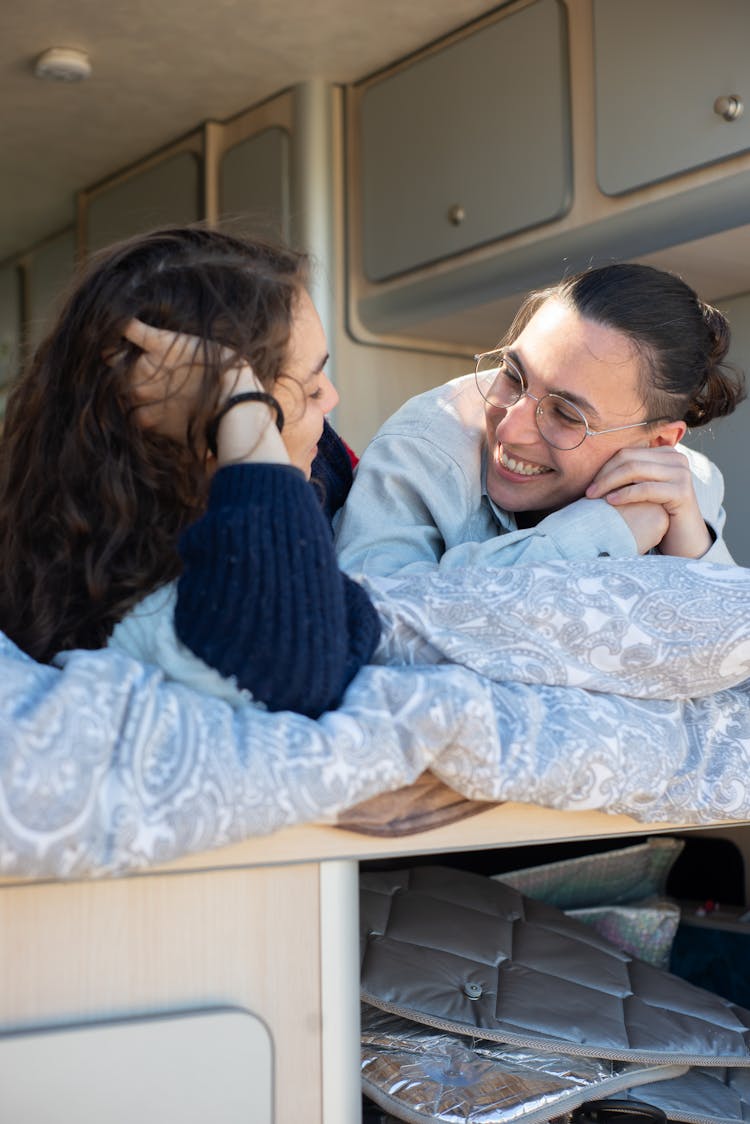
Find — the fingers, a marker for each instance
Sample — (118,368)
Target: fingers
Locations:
(651,484)
(654,475)
(648,524)
(162,347)
(167,375)
(164,377)
(162,344)
(650,491)
(135,331)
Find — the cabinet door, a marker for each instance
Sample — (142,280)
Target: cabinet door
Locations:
(254,184)
(468,144)
(660,67)
(180,1068)
(164,194)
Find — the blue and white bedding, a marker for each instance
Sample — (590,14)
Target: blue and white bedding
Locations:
(621,686)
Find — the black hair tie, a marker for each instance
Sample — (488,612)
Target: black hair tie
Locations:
(212,429)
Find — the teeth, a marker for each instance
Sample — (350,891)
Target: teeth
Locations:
(521,467)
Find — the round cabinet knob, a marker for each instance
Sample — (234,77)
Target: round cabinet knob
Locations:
(456,214)
(729,106)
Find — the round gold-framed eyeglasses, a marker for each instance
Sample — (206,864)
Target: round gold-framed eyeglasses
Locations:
(561,423)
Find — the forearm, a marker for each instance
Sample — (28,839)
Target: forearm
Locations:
(138,771)
(261,597)
(406,539)
(416,506)
(584,530)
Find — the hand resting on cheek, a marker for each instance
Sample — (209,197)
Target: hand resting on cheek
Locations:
(653,490)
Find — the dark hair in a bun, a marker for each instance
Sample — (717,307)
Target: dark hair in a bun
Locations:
(722,388)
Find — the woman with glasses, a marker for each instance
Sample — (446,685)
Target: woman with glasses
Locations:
(563,444)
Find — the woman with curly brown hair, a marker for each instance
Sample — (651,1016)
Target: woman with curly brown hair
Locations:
(166,429)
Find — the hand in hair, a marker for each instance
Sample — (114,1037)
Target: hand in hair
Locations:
(169,377)
(659,477)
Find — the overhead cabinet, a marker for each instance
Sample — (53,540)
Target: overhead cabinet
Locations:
(543,139)
(672,87)
(163,192)
(467,144)
(254,183)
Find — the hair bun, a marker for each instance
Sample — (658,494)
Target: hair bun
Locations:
(723,386)
(718,328)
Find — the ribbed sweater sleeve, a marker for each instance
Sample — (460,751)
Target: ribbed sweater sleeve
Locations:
(261,597)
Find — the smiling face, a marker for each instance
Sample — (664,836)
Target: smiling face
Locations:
(304,391)
(596,368)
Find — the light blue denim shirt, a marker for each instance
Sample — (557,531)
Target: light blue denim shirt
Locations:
(419,500)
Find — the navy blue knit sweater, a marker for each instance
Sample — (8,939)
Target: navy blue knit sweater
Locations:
(261,596)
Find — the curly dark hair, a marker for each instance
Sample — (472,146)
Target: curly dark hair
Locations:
(91,502)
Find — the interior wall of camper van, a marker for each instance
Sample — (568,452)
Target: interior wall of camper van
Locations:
(544,136)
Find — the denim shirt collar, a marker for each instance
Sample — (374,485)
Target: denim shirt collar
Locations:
(506,520)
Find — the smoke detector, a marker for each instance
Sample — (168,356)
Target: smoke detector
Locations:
(63,64)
